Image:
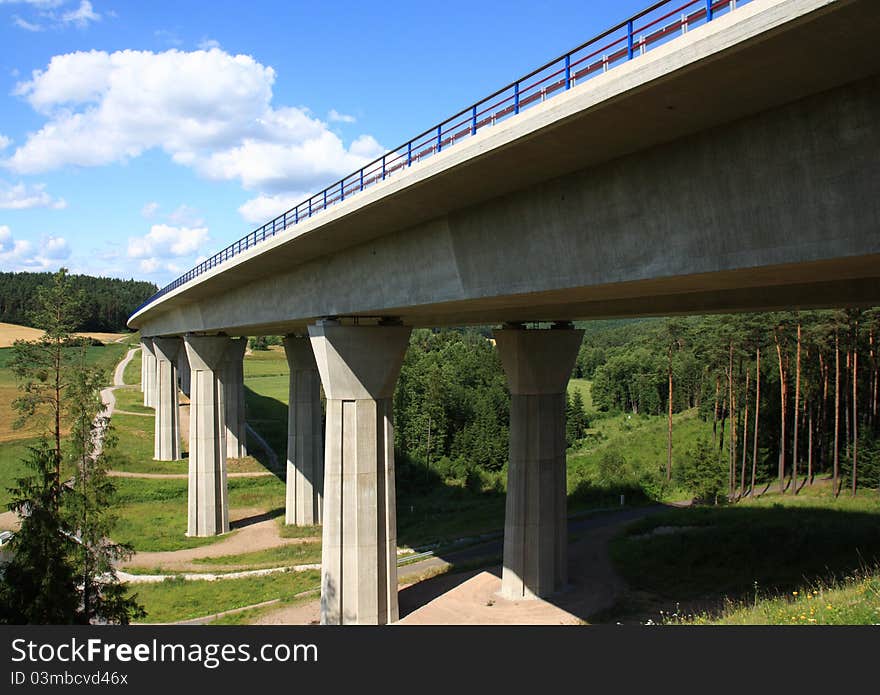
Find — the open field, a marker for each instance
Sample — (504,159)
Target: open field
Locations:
(10,332)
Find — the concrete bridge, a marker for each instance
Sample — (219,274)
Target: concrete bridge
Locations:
(721,156)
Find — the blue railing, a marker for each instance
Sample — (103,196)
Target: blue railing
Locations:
(646,30)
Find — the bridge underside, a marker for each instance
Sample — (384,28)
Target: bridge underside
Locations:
(776,210)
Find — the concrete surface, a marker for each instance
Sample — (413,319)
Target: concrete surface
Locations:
(208,503)
(359,366)
(538,364)
(167,428)
(305,436)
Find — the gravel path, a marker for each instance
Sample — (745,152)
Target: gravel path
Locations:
(253,530)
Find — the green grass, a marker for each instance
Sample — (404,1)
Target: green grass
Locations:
(152,513)
(132,374)
(271,362)
(176,599)
(131,398)
(11,466)
(641,440)
(294,554)
(773,545)
(852,601)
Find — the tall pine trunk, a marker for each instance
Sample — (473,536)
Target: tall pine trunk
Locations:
(757,413)
(836,413)
(742,473)
(797,402)
(669,422)
(855,420)
(782,394)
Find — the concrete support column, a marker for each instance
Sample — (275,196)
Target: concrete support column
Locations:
(538,364)
(167,437)
(305,435)
(208,501)
(233,389)
(148,368)
(183,372)
(359,366)
(143,366)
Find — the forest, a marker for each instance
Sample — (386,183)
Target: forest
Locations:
(786,396)
(109,301)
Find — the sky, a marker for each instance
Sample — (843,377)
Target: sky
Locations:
(137,138)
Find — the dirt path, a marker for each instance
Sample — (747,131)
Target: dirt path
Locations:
(252,531)
(185,476)
(471,598)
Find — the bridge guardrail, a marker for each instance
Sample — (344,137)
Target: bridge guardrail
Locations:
(652,27)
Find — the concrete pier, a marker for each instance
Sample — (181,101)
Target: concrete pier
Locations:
(208,501)
(233,389)
(183,372)
(359,366)
(305,435)
(167,434)
(148,371)
(538,364)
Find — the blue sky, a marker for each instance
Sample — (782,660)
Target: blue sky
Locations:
(139,137)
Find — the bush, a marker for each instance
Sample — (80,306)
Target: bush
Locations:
(703,474)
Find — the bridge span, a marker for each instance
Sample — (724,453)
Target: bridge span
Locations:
(702,156)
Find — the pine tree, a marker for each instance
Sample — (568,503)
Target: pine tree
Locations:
(39,582)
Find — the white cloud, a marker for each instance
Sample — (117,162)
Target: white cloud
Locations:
(185,216)
(165,241)
(56,248)
(21,254)
(26,25)
(266,207)
(82,15)
(47,18)
(207,44)
(23,197)
(5,142)
(207,109)
(337,117)
(150,209)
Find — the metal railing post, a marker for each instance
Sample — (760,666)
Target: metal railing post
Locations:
(568,71)
(383,167)
(516,97)
(362,179)
(342,190)
(325,198)
(409,153)
(439,137)
(474,120)
(629,40)
(709,10)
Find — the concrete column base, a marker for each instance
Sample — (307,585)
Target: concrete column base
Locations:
(167,432)
(208,513)
(305,436)
(359,366)
(538,364)
(233,389)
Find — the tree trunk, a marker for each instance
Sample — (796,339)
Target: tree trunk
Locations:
(855,421)
(731,454)
(715,418)
(742,473)
(669,422)
(836,413)
(810,446)
(797,401)
(782,394)
(757,413)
